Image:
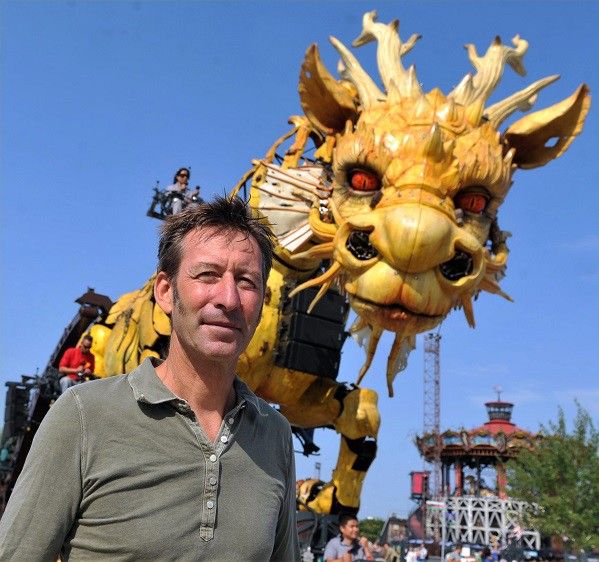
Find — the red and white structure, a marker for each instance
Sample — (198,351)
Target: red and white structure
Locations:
(475,511)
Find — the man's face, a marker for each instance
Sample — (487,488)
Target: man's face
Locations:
(350,530)
(217,295)
(85,346)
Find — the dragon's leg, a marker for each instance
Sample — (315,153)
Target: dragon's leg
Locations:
(354,414)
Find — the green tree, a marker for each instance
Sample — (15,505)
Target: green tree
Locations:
(561,477)
(371,528)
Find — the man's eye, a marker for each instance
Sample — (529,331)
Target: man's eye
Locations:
(247,282)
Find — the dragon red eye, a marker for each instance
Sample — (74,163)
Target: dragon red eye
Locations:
(472,202)
(364,180)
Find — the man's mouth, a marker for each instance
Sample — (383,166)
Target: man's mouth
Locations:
(225,325)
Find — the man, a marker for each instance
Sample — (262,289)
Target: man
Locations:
(348,545)
(455,555)
(177,460)
(76,363)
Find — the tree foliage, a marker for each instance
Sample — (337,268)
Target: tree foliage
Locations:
(371,528)
(561,477)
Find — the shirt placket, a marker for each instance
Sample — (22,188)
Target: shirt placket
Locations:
(212,453)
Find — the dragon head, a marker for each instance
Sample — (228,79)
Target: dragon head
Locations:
(408,213)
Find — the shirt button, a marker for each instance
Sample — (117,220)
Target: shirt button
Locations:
(224,438)
(213,458)
(212,480)
(231,420)
(209,504)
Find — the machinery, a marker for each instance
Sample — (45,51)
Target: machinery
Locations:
(394,215)
(28,401)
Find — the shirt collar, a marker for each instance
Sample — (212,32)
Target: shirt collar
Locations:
(246,395)
(148,388)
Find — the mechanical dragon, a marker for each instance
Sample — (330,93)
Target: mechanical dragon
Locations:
(395,213)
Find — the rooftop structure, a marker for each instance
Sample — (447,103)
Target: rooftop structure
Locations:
(489,445)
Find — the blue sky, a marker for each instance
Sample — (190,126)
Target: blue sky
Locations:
(101,99)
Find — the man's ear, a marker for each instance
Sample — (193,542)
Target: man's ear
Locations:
(163,292)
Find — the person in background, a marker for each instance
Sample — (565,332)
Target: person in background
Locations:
(348,545)
(182,195)
(422,553)
(76,363)
(412,553)
(456,553)
(494,549)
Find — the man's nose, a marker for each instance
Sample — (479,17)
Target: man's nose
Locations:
(227,293)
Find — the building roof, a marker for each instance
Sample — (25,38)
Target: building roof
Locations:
(498,437)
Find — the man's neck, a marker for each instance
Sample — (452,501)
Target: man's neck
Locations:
(206,387)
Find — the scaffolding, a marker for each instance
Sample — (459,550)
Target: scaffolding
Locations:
(432,406)
(472,520)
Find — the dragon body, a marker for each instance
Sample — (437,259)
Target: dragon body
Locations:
(396,212)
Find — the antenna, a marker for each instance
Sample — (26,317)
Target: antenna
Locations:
(498,390)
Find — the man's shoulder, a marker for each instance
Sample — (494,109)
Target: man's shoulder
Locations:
(331,550)
(68,353)
(100,390)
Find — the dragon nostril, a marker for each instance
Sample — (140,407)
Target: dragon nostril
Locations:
(359,245)
(457,267)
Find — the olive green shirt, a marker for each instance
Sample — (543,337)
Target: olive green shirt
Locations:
(121,470)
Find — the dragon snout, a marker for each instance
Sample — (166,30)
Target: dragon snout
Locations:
(461,265)
(358,244)
(411,239)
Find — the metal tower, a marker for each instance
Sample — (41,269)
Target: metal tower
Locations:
(432,406)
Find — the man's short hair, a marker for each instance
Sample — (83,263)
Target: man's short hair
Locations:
(345,518)
(87,337)
(226,215)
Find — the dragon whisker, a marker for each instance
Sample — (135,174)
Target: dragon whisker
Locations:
(466,301)
(329,275)
(339,219)
(322,251)
(491,286)
(397,359)
(372,345)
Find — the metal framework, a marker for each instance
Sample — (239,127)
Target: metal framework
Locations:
(432,405)
(472,520)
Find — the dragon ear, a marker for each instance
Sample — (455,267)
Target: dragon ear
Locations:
(326,102)
(546,134)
